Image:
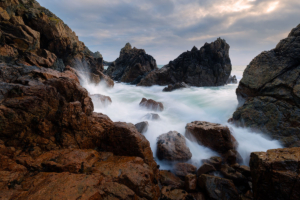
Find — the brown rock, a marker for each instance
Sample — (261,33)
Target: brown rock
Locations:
(4,15)
(151,116)
(172,146)
(232,157)
(275,174)
(190,182)
(198,196)
(205,168)
(214,136)
(183,169)
(169,193)
(102,99)
(214,161)
(169,179)
(142,127)
(218,188)
(152,105)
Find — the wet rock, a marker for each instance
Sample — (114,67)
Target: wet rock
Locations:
(205,168)
(142,127)
(214,161)
(232,157)
(169,193)
(268,93)
(176,86)
(275,174)
(190,182)
(131,66)
(209,66)
(152,116)
(152,105)
(172,146)
(183,169)
(218,188)
(232,80)
(198,196)
(101,99)
(169,179)
(214,136)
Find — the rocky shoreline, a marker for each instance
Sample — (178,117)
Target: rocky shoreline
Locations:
(54,146)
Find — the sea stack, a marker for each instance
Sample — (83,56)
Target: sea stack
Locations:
(269,92)
(132,65)
(209,66)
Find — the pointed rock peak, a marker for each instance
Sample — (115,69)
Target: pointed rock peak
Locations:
(194,49)
(127,47)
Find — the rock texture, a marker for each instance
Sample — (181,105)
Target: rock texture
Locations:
(32,35)
(184,169)
(142,127)
(209,66)
(269,92)
(152,105)
(276,174)
(131,66)
(176,86)
(232,80)
(172,146)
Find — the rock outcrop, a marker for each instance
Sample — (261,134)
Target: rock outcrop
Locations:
(269,92)
(151,104)
(172,146)
(276,174)
(131,66)
(176,86)
(209,66)
(232,80)
(32,35)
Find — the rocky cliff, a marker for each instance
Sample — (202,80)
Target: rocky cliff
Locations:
(209,66)
(132,65)
(32,35)
(269,92)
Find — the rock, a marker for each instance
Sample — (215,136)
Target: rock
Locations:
(101,100)
(218,188)
(268,93)
(190,182)
(169,179)
(152,116)
(214,161)
(198,196)
(232,80)
(4,15)
(214,136)
(176,86)
(232,157)
(183,169)
(142,127)
(275,174)
(131,66)
(209,66)
(152,105)
(172,146)
(205,168)
(169,193)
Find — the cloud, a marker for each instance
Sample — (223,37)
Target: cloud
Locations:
(166,28)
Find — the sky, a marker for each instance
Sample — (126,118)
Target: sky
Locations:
(167,28)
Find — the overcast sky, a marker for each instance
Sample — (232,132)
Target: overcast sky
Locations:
(166,28)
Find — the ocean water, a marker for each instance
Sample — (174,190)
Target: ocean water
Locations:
(212,104)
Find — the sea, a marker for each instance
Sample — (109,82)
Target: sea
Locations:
(211,104)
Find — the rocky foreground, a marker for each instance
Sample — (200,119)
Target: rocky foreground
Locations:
(54,146)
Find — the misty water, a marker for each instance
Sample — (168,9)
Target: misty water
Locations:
(211,104)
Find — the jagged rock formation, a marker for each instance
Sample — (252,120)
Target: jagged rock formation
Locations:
(209,66)
(131,66)
(232,80)
(151,104)
(269,92)
(32,35)
(276,174)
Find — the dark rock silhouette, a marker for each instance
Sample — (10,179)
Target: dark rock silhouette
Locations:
(151,104)
(142,127)
(269,92)
(131,66)
(232,80)
(209,66)
(176,86)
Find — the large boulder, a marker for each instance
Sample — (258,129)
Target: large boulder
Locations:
(275,174)
(131,66)
(269,92)
(151,104)
(172,146)
(209,66)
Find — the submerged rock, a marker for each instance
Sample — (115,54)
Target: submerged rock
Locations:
(176,86)
(104,100)
(269,92)
(131,66)
(275,174)
(142,127)
(232,80)
(209,66)
(152,105)
(152,116)
(172,146)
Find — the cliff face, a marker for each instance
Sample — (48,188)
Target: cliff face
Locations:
(269,93)
(132,65)
(32,35)
(209,66)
